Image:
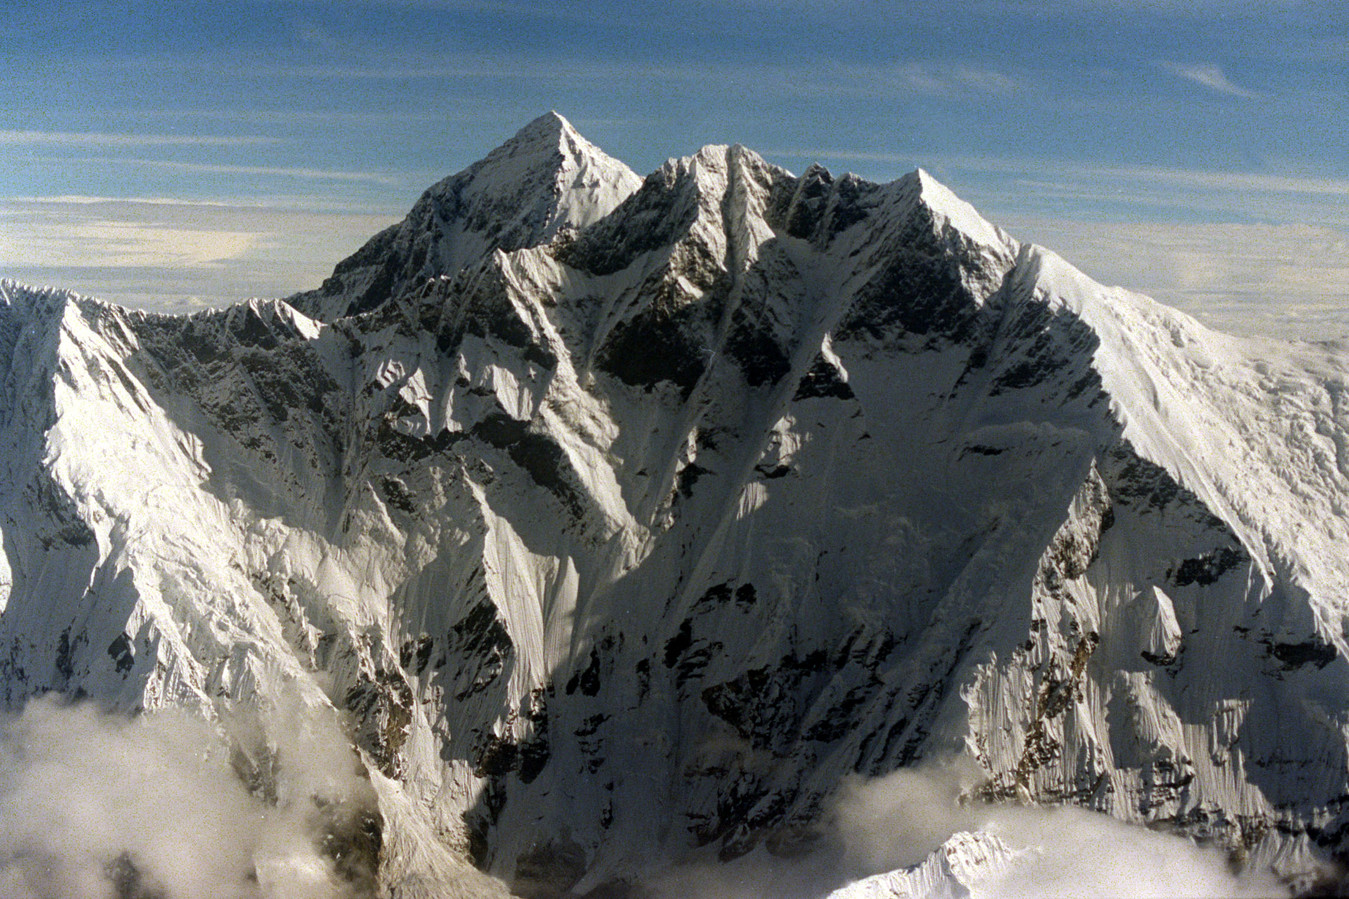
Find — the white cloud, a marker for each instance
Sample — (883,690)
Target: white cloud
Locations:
(1068,852)
(1211,77)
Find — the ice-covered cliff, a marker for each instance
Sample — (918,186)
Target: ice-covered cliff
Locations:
(626,518)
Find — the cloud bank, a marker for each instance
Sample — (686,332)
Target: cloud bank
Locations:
(173,256)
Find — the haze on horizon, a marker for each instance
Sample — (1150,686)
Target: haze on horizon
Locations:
(170,158)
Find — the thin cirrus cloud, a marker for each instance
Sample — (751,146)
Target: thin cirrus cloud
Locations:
(109,139)
(307,117)
(944,80)
(1162,178)
(301,172)
(1210,76)
(948,79)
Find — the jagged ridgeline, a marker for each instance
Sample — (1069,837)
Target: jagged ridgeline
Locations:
(628,517)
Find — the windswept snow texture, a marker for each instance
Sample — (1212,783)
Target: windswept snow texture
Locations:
(627,518)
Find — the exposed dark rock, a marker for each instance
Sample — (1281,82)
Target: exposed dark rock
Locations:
(653,347)
(353,843)
(799,208)
(1309,652)
(1206,569)
(130,882)
(538,454)
(499,756)
(481,649)
(415,655)
(65,664)
(679,644)
(123,653)
(382,706)
(549,870)
(824,381)
(587,680)
(759,356)
(651,219)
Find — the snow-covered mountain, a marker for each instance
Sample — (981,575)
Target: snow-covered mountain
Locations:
(625,519)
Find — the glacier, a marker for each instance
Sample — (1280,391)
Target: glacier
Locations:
(620,520)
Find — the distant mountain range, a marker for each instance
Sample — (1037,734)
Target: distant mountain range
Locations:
(626,518)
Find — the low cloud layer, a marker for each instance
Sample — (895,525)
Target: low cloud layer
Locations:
(898,820)
(97,806)
(1282,280)
(171,256)
(1287,281)
(273,806)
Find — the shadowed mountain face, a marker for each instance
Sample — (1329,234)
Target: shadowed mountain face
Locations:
(628,518)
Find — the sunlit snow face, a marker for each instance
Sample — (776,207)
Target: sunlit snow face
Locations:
(94,806)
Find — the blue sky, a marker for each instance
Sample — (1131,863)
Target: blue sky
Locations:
(172,153)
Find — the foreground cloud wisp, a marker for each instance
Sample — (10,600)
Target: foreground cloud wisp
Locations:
(93,806)
(1064,852)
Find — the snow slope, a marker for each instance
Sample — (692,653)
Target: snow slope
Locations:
(625,518)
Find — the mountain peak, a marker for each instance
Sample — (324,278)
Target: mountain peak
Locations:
(549,146)
(549,134)
(545,179)
(550,128)
(818,467)
(952,210)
